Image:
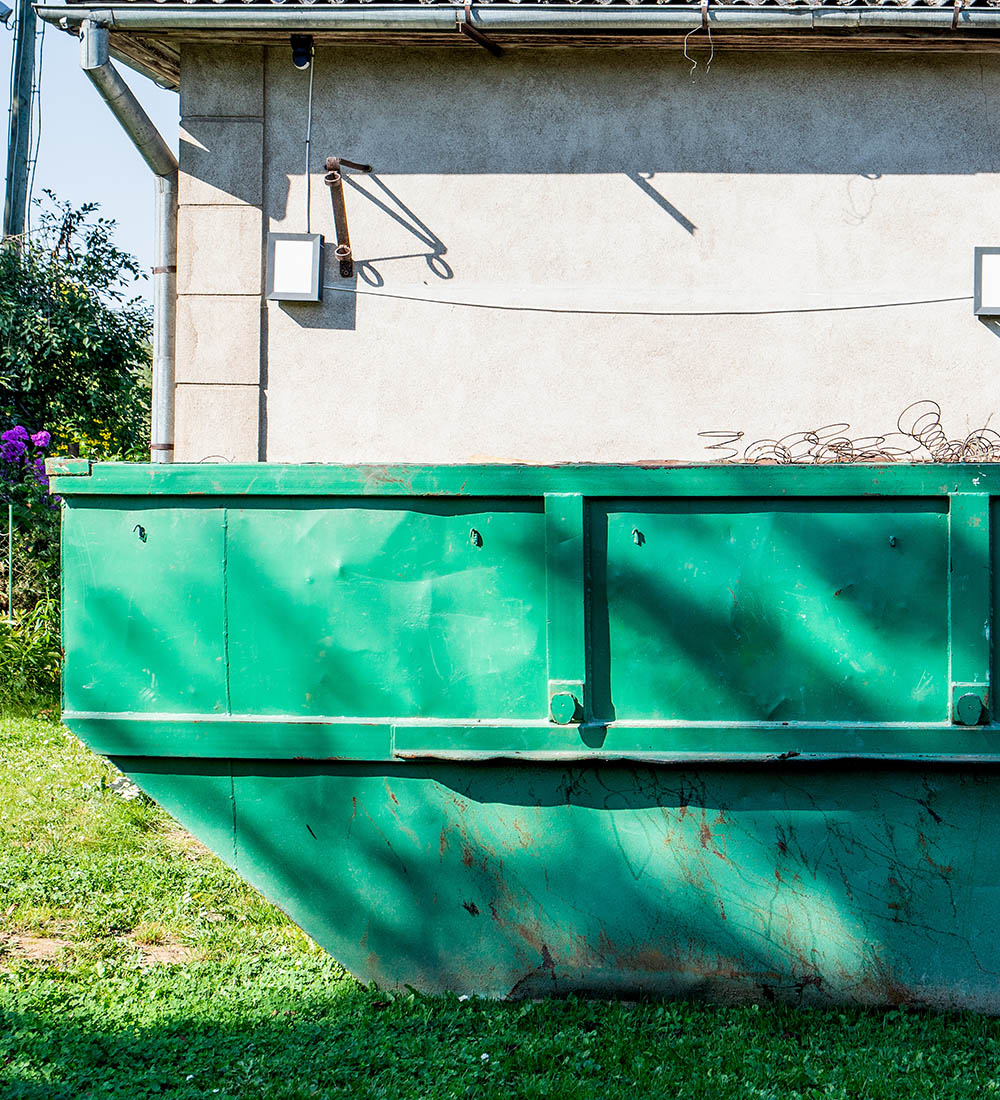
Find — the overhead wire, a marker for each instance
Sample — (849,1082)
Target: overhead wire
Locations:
(309,125)
(575,310)
(13,123)
(36,122)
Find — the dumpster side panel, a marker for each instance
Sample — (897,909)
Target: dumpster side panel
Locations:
(144,607)
(773,611)
(810,887)
(387,608)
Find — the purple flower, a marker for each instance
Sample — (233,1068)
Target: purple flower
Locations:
(17,434)
(38,466)
(41,439)
(11,450)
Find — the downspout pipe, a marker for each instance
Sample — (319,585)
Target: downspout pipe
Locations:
(95,61)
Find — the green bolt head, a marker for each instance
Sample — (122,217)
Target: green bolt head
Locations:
(564,707)
(969,709)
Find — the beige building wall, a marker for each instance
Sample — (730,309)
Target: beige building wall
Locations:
(711,245)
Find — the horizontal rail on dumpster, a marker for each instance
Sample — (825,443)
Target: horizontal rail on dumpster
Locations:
(252,737)
(720,480)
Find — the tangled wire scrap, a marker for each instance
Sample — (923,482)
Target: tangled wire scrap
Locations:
(919,437)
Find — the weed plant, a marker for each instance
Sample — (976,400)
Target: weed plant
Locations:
(30,657)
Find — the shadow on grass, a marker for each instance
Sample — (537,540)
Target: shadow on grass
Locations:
(156,1037)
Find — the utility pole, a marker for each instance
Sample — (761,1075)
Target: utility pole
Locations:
(19,138)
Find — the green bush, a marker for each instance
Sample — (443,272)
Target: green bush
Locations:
(74,378)
(74,336)
(30,657)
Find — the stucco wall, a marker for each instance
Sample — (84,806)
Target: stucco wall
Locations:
(583,180)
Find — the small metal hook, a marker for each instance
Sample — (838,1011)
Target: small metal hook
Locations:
(141,531)
(475,537)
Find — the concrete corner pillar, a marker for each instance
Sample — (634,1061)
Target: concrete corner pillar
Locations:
(220,255)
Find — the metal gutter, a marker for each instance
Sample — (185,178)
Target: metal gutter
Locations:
(96,63)
(550,18)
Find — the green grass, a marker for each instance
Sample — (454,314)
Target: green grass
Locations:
(134,964)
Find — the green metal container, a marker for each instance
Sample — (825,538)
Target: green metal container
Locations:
(510,730)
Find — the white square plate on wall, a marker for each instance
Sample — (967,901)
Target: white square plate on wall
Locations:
(294,267)
(986,298)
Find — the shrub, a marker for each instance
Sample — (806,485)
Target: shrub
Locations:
(30,656)
(74,337)
(74,377)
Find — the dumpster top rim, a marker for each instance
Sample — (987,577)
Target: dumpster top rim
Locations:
(79,477)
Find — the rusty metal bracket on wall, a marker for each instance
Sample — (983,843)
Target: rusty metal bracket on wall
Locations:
(334,179)
(465,27)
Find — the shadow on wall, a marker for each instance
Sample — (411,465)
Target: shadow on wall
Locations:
(455,112)
(543,113)
(340,292)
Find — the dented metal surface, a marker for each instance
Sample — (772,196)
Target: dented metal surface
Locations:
(672,731)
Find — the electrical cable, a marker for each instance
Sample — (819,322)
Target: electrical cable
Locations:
(13,124)
(645,312)
(36,114)
(711,45)
(309,126)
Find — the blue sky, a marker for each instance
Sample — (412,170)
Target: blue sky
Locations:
(84,154)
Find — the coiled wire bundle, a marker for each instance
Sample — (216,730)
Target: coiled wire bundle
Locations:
(919,437)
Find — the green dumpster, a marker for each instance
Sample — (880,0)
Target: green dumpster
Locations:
(718,732)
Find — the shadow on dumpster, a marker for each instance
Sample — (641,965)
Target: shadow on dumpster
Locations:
(802,883)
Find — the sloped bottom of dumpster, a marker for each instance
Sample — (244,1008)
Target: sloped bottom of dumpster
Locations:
(805,884)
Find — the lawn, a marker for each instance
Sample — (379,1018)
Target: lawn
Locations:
(134,964)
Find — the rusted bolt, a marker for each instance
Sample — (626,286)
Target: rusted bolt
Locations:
(892,540)
(564,708)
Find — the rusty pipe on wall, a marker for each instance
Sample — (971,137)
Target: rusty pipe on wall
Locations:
(334,179)
(96,63)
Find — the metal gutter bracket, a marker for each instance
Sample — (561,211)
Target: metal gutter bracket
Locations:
(95,61)
(465,27)
(334,179)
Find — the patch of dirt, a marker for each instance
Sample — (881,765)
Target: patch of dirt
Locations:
(36,948)
(182,839)
(165,954)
